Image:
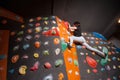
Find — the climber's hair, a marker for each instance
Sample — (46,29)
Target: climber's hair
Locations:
(76,23)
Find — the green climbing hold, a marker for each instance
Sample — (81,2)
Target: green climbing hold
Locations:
(46,52)
(104,61)
(64,45)
(75,62)
(58,62)
(45,18)
(105,50)
(20,33)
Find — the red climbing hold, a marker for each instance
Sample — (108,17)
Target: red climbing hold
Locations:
(91,62)
(47,65)
(51,32)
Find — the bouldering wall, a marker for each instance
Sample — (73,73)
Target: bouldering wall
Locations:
(38,50)
(92,66)
(35,51)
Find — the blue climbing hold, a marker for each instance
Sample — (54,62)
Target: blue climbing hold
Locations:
(99,35)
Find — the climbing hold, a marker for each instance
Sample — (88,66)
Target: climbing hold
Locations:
(76,73)
(16,48)
(99,36)
(20,33)
(22,69)
(92,42)
(79,47)
(47,65)
(46,42)
(22,26)
(58,62)
(31,20)
(46,28)
(70,60)
(37,24)
(95,70)
(88,70)
(108,67)
(46,22)
(19,39)
(101,42)
(57,51)
(114,67)
(15,58)
(46,52)
(52,32)
(29,31)
(96,42)
(45,18)
(37,44)
(38,18)
(48,77)
(56,41)
(92,38)
(108,78)
(114,58)
(70,71)
(60,76)
(99,47)
(102,69)
(38,29)
(12,33)
(81,53)
(52,17)
(53,21)
(30,24)
(37,36)
(86,54)
(75,62)
(91,62)
(11,71)
(28,37)
(93,53)
(114,78)
(35,66)
(26,46)
(36,55)
(64,45)
(104,61)
(25,56)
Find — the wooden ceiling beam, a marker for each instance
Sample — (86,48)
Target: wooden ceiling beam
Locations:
(10,15)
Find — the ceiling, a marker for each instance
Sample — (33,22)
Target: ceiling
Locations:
(28,8)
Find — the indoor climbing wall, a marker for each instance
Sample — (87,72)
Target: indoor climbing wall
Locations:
(38,50)
(94,67)
(35,51)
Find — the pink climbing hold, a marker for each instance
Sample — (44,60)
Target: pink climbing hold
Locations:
(95,70)
(35,66)
(91,62)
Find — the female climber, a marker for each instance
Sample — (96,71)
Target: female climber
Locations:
(77,37)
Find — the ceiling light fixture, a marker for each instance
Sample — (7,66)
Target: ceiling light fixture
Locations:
(119,20)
